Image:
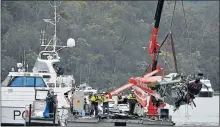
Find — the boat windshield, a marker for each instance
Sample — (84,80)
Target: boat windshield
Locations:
(26,81)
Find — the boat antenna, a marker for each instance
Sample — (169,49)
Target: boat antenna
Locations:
(54,5)
(55,23)
(24,63)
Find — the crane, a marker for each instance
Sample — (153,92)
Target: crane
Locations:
(152,90)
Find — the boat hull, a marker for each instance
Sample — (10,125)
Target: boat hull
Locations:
(14,101)
(12,116)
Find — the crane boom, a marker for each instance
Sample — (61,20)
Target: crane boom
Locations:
(153,50)
(146,79)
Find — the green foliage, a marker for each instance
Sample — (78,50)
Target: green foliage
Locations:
(110,35)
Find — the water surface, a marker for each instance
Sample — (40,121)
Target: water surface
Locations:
(206,113)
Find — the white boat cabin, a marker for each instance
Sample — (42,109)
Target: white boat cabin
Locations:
(46,66)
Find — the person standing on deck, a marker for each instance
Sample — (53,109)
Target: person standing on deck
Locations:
(105,103)
(94,104)
(132,101)
(51,102)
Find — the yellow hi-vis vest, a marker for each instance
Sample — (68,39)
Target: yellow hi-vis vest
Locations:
(94,99)
(100,97)
(131,96)
(105,99)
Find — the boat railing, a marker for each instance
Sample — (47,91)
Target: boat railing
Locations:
(31,114)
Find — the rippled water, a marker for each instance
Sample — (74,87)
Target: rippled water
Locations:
(206,113)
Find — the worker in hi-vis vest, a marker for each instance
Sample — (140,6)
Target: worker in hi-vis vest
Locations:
(105,103)
(132,101)
(94,104)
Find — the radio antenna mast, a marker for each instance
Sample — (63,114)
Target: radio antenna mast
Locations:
(54,5)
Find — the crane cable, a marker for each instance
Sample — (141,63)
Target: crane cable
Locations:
(169,34)
(187,29)
(174,8)
(190,51)
(186,107)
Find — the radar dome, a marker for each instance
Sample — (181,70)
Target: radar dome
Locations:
(70,42)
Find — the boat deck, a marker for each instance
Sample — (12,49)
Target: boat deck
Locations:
(38,121)
(109,122)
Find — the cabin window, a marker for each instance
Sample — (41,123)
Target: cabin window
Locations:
(40,82)
(29,82)
(17,82)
